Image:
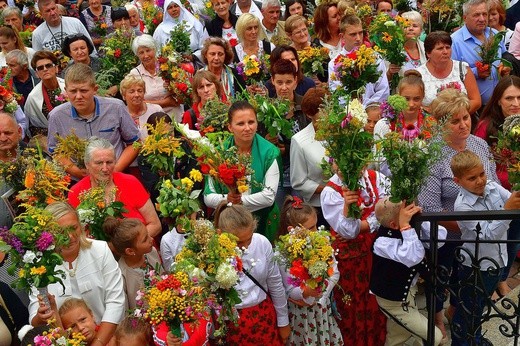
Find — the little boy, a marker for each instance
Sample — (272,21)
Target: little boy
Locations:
(398,260)
(477,193)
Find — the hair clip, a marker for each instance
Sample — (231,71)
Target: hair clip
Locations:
(229,204)
(297,203)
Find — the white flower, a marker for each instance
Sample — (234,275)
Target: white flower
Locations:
(138,313)
(356,109)
(62,341)
(226,276)
(389,23)
(198,273)
(29,257)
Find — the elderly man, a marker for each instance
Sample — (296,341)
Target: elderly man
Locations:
(469,38)
(24,78)
(273,29)
(13,17)
(247,6)
(51,33)
(91,115)
(10,141)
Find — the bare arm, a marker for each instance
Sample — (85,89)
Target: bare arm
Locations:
(127,157)
(470,83)
(152,223)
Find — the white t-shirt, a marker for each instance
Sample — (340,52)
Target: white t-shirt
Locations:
(51,38)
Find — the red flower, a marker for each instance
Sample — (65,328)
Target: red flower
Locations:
(182,87)
(298,270)
(239,264)
(352,55)
(188,67)
(117,53)
(226,174)
(233,42)
(3,91)
(155,21)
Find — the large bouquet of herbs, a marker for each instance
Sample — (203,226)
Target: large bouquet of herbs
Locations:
(508,149)
(71,147)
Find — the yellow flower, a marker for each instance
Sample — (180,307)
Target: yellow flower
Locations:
(209,4)
(242,188)
(38,271)
(21,273)
(168,184)
(187,182)
(387,37)
(195,175)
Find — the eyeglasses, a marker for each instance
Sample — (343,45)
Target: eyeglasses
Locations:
(300,32)
(44,67)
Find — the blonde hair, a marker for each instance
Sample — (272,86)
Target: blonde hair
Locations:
(60,209)
(80,73)
(233,217)
(411,78)
(387,211)
(73,303)
(293,21)
(130,80)
(464,161)
(133,326)
(243,22)
(448,103)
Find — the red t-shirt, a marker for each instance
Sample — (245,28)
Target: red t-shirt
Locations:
(130,191)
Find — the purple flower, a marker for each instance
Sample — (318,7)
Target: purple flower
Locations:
(410,132)
(346,121)
(12,240)
(387,111)
(294,281)
(45,241)
(40,340)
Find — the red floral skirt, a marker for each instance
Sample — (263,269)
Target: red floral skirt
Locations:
(362,323)
(257,325)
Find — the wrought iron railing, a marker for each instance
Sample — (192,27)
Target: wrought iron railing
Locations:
(506,310)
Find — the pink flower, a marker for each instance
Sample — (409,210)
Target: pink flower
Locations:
(45,241)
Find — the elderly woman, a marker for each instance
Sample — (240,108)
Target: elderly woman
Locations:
(296,28)
(218,55)
(504,102)
(306,154)
(224,23)
(413,46)
(265,162)
(248,29)
(93,17)
(79,49)
(440,191)
(176,14)
(133,89)
(100,161)
(206,86)
(10,40)
(440,71)
(47,94)
(326,24)
(91,273)
(145,48)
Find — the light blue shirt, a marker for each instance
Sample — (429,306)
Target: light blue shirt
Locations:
(465,47)
(493,198)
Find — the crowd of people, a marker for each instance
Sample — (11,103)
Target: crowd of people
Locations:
(379,258)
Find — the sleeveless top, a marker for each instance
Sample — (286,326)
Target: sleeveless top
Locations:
(433,85)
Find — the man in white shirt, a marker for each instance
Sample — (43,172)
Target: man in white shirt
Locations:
(51,33)
(247,6)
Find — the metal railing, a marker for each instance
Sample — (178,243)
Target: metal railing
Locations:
(506,309)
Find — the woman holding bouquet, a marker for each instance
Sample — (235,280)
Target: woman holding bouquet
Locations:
(145,48)
(91,274)
(263,315)
(265,163)
(248,29)
(362,323)
(439,192)
(97,19)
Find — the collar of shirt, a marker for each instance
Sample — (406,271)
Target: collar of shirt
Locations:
(472,198)
(466,35)
(75,114)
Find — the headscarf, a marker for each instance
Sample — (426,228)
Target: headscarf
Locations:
(185,16)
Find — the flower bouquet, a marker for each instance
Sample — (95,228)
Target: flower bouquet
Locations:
(313,59)
(95,207)
(508,149)
(117,58)
(393,106)
(442,15)
(309,257)
(161,149)
(173,299)
(56,336)
(253,69)
(212,258)
(393,109)
(214,117)
(227,166)
(389,35)
(177,200)
(207,13)
(63,60)
(399,152)
(488,52)
(26,34)
(32,243)
(10,98)
(71,147)
(272,113)
(366,14)
(347,143)
(355,69)
(175,65)
(100,28)
(152,17)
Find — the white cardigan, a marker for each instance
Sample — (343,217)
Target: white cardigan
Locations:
(34,104)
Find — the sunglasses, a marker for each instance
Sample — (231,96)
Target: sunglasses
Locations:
(44,67)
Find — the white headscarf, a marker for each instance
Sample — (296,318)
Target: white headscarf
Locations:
(185,16)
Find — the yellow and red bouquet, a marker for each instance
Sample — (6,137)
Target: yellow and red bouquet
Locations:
(308,256)
(152,17)
(253,69)
(313,60)
(508,149)
(56,336)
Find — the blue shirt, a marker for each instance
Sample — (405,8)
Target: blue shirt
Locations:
(465,47)
(493,198)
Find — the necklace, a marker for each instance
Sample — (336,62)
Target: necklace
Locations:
(72,272)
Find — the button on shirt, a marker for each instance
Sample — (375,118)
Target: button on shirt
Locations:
(493,198)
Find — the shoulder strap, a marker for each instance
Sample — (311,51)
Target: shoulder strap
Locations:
(193,117)
(255,281)
(461,72)
(267,46)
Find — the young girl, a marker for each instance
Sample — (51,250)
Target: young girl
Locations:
(362,323)
(310,312)
(264,303)
(131,241)
(75,314)
(133,331)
